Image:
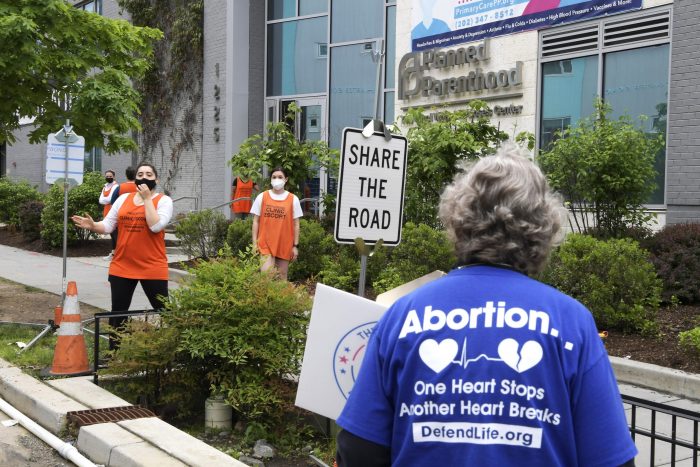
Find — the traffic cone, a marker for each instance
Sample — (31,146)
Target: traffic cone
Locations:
(70,354)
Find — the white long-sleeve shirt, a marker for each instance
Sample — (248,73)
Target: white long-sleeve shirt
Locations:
(164,210)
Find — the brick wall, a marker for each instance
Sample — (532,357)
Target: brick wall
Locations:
(683,155)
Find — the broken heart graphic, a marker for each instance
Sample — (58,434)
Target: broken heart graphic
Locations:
(438,356)
(520,358)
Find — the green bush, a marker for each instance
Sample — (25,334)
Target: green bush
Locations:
(675,253)
(202,234)
(314,245)
(341,270)
(82,199)
(12,196)
(240,235)
(238,329)
(613,278)
(422,250)
(30,219)
(690,340)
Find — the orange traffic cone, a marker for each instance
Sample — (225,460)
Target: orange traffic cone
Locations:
(70,354)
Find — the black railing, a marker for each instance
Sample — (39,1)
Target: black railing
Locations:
(107,315)
(645,416)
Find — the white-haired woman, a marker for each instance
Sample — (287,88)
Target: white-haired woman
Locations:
(487,366)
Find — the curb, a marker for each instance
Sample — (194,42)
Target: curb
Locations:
(656,377)
(142,442)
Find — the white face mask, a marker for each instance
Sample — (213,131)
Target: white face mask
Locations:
(277,183)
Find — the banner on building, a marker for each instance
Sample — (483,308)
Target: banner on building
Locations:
(442,23)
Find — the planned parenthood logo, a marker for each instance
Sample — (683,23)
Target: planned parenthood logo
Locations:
(348,355)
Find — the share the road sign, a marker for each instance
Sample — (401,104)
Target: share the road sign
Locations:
(370,188)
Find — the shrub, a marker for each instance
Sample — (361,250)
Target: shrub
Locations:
(604,168)
(314,244)
(202,234)
(690,340)
(236,329)
(30,219)
(676,255)
(82,199)
(422,250)
(239,236)
(13,195)
(341,270)
(613,278)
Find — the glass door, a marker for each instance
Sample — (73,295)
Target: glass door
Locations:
(309,125)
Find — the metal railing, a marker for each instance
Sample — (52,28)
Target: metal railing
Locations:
(196,201)
(645,422)
(107,315)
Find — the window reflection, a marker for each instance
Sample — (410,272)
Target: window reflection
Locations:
(310,7)
(569,88)
(279,9)
(635,83)
(356,20)
(353,75)
(295,60)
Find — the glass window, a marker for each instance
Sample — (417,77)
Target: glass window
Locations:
(353,76)
(569,88)
(93,160)
(279,9)
(94,6)
(310,7)
(356,20)
(635,82)
(389,107)
(294,64)
(390,47)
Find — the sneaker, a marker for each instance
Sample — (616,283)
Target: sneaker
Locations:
(109,256)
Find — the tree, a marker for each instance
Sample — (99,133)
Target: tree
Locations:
(54,53)
(281,148)
(604,168)
(435,149)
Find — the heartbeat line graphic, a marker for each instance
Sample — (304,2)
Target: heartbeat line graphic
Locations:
(464,361)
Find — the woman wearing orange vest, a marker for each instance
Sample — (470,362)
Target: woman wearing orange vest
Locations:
(106,201)
(242,189)
(276,214)
(140,254)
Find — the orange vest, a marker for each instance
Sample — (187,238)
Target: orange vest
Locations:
(243,190)
(276,227)
(105,193)
(140,253)
(127,187)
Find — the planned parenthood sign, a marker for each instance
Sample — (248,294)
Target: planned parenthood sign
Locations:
(442,23)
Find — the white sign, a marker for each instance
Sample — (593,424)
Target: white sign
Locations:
(370,188)
(56,160)
(340,326)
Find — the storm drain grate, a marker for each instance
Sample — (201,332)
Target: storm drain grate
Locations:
(108,415)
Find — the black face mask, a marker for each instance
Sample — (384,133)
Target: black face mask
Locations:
(151,184)
(109,179)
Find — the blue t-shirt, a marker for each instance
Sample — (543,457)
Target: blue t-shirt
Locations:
(486,366)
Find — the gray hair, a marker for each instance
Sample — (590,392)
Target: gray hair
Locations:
(500,210)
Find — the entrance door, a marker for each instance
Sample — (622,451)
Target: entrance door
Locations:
(309,125)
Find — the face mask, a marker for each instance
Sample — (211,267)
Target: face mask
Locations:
(109,179)
(151,184)
(277,183)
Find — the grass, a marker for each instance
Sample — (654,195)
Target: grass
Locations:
(41,354)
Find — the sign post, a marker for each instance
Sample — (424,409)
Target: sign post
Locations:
(65,155)
(371,187)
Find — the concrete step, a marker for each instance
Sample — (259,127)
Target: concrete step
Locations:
(140,442)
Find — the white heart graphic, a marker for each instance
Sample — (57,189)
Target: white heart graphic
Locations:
(528,356)
(437,356)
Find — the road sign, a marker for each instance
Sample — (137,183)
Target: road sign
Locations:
(370,188)
(56,158)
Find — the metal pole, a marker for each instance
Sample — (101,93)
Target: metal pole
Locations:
(380,59)
(363,273)
(66,131)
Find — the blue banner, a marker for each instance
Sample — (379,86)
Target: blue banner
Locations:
(442,23)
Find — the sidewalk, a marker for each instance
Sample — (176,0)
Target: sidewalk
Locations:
(90,273)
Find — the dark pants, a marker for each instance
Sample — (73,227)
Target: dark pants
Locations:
(113,235)
(123,292)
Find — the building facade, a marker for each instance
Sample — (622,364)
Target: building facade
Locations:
(346,62)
